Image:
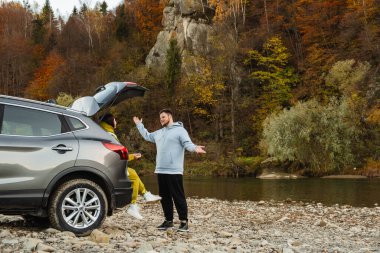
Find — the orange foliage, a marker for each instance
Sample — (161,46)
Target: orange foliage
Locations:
(148,15)
(318,23)
(38,88)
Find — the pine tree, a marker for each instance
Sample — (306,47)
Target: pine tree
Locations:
(103,8)
(173,66)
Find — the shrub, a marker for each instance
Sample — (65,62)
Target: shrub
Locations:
(315,135)
(64,99)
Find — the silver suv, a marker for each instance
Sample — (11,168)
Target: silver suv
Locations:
(56,162)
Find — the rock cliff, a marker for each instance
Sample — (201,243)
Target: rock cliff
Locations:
(187,21)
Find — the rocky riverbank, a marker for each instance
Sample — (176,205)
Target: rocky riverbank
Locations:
(215,226)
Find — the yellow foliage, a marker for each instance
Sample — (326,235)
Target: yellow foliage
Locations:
(374,115)
(202,88)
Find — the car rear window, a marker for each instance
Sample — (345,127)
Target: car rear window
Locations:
(29,122)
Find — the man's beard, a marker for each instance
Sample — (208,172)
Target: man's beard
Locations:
(165,124)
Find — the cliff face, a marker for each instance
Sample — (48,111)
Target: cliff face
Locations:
(187,21)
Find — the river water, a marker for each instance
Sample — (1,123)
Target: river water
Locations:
(354,192)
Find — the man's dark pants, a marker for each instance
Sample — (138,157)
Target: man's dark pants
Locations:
(170,189)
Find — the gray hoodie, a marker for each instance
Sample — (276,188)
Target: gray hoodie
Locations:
(171,142)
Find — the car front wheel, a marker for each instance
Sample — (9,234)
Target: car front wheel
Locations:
(79,206)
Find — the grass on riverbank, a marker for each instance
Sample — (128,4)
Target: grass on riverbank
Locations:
(252,166)
(230,167)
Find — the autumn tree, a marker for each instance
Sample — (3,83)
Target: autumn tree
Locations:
(200,94)
(148,16)
(359,29)
(318,22)
(17,56)
(39,86)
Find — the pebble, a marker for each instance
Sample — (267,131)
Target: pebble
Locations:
(214,226)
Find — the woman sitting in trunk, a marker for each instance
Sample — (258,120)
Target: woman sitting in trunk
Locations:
(108,123)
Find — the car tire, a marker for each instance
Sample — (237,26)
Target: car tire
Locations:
(79,206)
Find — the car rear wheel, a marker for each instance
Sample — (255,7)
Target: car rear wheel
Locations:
(79,206)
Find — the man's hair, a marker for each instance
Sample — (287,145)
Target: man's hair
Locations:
(108,118)
(166,110)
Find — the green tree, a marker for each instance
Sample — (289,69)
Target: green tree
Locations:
(103,8)
(272,73)
(120,23)
(38,30)
(47,13)
(173,66)
(273,80)
(75,11)
(83,9)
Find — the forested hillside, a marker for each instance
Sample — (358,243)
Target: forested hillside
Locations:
(298,81)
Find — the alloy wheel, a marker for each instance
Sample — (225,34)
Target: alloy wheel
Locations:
(81,208)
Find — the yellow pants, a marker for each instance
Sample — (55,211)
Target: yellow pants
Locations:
(137,185)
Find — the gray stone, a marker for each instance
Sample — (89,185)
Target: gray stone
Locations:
(287,250)
(145,248)
(5,233)
(68,234)
(225,234)
(9,241)
(52,231)
(99,237)
(45,248)
(190,6)
(30,244)
(191,34)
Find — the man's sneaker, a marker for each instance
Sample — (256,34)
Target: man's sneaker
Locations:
(183,227)
(133,210)
(151,198)
(165,225)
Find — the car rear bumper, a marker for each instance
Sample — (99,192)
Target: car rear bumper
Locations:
(123,195)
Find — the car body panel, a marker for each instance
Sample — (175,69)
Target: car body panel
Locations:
(30,168)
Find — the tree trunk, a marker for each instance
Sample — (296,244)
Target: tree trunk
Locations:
(266,15)
(233,117)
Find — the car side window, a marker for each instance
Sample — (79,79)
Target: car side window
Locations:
(75,124)
(30,122)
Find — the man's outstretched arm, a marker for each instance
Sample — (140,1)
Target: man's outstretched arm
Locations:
(144,133)
(200,149)
(189,145)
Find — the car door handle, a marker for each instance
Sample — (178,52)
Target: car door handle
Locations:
(62,148)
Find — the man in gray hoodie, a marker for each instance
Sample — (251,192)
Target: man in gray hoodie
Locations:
(171,141)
